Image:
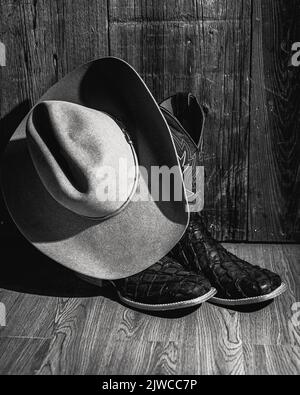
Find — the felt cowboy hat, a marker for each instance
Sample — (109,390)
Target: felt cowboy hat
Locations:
(54,184)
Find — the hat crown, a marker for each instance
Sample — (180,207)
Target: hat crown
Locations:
(79,154)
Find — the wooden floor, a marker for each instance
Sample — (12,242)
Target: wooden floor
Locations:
(73,328)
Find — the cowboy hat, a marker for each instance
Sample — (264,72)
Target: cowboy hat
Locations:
(97,115)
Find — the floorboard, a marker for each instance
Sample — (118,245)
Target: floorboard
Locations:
(21,355)
(94,334)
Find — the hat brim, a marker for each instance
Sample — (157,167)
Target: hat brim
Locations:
(144,231)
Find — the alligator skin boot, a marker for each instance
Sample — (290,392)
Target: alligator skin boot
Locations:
(165,286)
(236,281)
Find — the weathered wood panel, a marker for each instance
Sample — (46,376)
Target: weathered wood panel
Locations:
(176,10)
(44,40)
(275,107)
(202,47)
(221,51)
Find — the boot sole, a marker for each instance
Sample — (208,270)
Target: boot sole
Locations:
(169,306)
(153,307)
(248,301)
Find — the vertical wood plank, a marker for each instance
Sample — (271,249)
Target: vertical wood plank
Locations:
(275,123)
(204,47)
(44,40)
(198,45)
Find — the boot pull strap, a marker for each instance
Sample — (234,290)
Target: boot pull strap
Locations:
(188,112)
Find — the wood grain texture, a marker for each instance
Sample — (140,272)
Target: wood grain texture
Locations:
(83,330)
(275,141)
(202,47)
(234,56)
(175,10)
(273,326)
(272,360)
(44,41)
(96,335)
(25,355)
(27,315)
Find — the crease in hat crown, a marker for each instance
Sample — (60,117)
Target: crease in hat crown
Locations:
(72,147)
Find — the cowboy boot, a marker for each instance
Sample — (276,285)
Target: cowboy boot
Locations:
(165,286)
(182,111)
(237,281)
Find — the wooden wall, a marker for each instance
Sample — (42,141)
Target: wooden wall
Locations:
(233,55)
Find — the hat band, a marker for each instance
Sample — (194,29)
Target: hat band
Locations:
(136,179)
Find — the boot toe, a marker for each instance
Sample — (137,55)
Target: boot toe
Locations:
(165,283)
(269,283)
(262,282)
(194,288)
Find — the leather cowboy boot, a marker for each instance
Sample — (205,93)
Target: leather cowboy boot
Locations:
(236,281)
(165,286)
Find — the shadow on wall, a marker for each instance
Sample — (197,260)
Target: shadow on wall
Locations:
(8,125)
(10,122)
